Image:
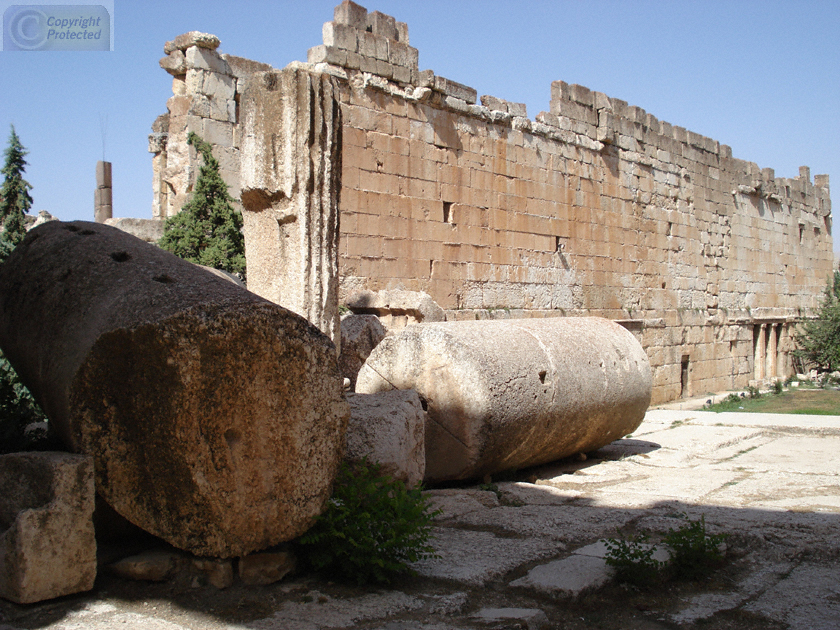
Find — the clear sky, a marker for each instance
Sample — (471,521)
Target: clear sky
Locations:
(760,76)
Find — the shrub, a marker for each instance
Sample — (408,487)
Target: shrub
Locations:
(694,553)
(372,529)
(633,561)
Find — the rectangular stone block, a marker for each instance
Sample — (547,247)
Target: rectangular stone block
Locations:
(204,59)
(341,36)
(382,25)
(47,546)
(351,14)
(458,90)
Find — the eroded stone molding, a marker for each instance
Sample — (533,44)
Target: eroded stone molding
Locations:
(291,165)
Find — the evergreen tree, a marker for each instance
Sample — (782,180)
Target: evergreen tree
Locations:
(208,230)
(819,340)
(15,200)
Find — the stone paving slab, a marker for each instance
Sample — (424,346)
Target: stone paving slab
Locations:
(536,544)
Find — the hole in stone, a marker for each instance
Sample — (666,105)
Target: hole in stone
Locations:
(424,403)
(232,437)
(542,376)
(164,279)
(120,256)
(87,232)
(447,212)
(663,285)
(71,228)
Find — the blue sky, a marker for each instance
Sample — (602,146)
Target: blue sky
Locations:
(760,76)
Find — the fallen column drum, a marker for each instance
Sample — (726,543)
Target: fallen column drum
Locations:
(505,394)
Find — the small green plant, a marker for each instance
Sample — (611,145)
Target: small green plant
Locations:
(633,561)
(753,392)
(372,529)
(778,388)
(694,553)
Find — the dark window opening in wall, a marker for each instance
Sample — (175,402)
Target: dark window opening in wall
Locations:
(816,231)
(447,212)
(828,224)
(801,232)
(684,377)
(670,225)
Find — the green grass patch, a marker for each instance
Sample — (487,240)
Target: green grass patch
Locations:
(817,402)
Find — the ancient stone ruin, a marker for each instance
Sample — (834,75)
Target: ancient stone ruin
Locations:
(593,207)
(504,395)
(215,419)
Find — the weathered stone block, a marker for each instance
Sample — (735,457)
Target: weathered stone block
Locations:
(351,14)
(261,569)
(360,334)
(389,428)
(515,393)
(382,25)
(47,544)
(337,35)
(175,63)
(215,419)
(204,59)
(193,38)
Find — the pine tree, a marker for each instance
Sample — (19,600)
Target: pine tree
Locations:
(208,230)
(15,200)
(819,340)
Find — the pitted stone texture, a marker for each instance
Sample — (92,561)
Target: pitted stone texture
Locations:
(215,418)
(516,393)
(389,428)
(47,544)
(360,334)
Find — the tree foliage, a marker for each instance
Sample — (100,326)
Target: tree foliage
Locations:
(208,229)
(15,200)
(818,340)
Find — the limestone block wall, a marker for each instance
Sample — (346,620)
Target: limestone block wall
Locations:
(594,207)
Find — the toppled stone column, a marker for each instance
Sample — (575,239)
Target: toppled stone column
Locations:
(505,394)
(215,418)
(291,179)
(47,542)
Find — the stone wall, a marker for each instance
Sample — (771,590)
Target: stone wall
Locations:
(594,207)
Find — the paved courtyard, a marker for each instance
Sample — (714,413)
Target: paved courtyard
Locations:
(526,554)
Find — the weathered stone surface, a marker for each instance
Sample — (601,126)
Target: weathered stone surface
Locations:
(290,186)
(215,418)
(396,308)
(360,334)
(514,393)
(149,566)
(192,38)
(389,428)
(214,571)
(259,569)
(47,544)
(149,230)
(175,63)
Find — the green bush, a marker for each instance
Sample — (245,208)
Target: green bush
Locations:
(633,561)
(695,554)
(18,410)
(372,529)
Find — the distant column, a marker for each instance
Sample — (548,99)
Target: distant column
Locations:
(102,206)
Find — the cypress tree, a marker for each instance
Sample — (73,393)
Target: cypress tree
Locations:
(208,230)
(15,200)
